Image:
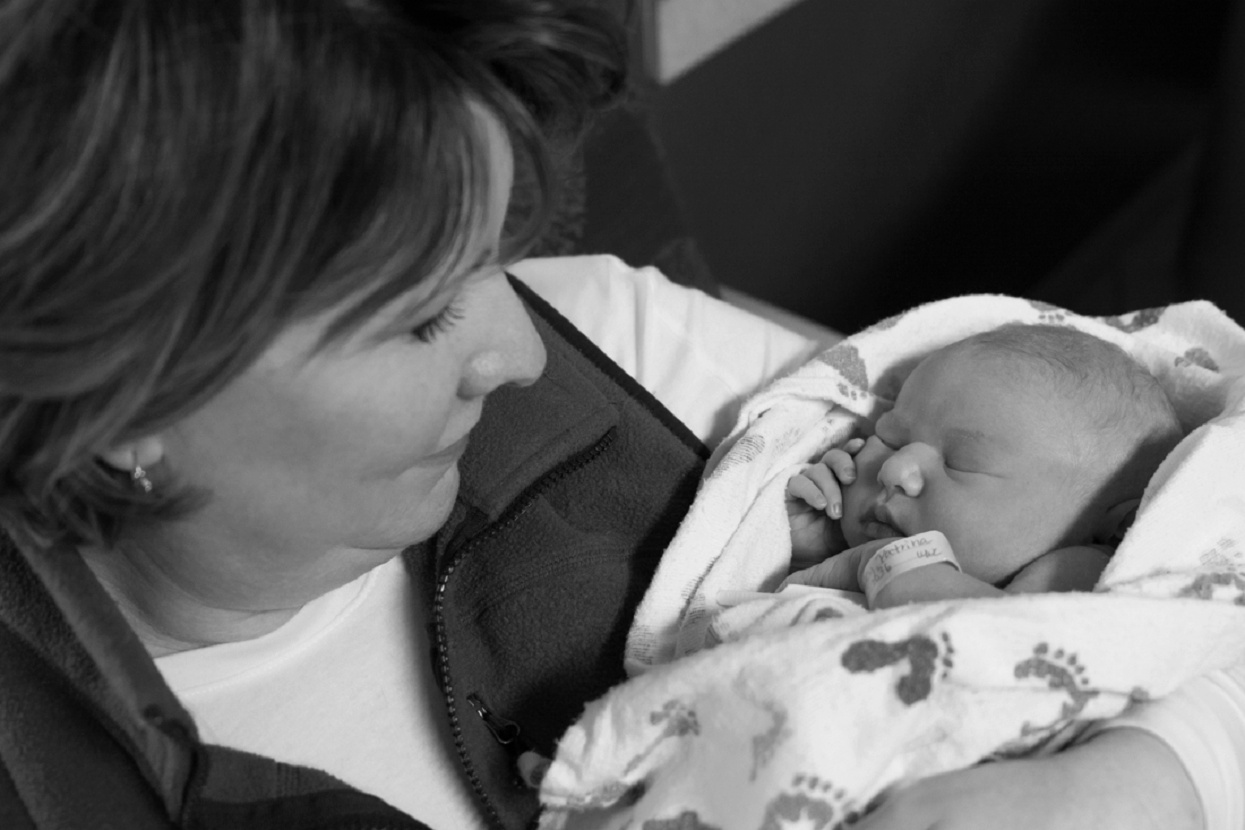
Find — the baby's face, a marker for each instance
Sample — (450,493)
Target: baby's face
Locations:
(978,449)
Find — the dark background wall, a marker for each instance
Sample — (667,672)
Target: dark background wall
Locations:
(851,158)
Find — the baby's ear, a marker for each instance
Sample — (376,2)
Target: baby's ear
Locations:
(1114,523)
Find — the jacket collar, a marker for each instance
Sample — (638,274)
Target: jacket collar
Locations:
(53,602)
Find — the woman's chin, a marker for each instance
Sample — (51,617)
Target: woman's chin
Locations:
(414,517)
(436,506)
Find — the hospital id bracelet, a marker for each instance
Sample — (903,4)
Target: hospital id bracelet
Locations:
(901,556)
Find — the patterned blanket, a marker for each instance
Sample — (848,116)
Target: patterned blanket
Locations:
(800,708)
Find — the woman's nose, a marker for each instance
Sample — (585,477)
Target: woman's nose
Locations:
(904,471)
(510,350)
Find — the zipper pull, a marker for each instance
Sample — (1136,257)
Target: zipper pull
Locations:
(505,731)
(530,766)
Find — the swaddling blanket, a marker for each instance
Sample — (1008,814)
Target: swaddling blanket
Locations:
(806,708)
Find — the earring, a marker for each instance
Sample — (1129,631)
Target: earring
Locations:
(138,476)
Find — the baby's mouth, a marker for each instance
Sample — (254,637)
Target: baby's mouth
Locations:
(878,523)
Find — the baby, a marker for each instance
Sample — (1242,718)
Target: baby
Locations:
(1016,458)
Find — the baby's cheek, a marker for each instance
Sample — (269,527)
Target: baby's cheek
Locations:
(855,497)
(867,464)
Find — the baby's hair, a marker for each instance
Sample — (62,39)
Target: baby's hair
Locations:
(1116,388)
(1132,421)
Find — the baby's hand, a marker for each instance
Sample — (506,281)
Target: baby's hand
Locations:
(815,501)
(818,485)
(840,571)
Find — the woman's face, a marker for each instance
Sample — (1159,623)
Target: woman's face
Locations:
(322,463)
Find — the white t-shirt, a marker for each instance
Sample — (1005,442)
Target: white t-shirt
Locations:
(345,685)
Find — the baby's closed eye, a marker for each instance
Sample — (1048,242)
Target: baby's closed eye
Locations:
(969,464)
(968,452)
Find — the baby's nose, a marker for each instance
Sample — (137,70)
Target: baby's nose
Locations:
(904,471)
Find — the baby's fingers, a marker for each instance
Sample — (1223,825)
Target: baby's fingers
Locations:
(842,465)
(804,489)
(818,487)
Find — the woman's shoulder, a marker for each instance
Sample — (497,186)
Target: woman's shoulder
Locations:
(591,281)
(608,300)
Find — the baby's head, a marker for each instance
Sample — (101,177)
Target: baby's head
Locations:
(1013,443)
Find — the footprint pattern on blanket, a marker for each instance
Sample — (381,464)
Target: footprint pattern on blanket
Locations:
(1137,320)
(1060,670)
(746,450)
(1223,586)
(886,322)
(1049,314)
(767,742)
(1226,555)
(678,720)
(686,820)
(1197,356)
(809,803)
(845,359)
(824,614)
(925,658)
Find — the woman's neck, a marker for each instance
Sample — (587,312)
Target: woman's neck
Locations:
(169,616)
(184,592)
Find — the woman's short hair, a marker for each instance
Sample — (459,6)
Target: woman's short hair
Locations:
(184,178)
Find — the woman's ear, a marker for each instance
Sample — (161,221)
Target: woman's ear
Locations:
(1115,522)
(142,452)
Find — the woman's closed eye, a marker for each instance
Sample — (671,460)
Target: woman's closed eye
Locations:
(439,323)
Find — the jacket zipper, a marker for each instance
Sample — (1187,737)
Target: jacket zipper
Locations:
(518,507)
(505,732)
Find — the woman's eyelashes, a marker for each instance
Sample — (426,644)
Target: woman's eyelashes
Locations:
(439,323)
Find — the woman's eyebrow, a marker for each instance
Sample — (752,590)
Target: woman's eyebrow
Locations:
(402,312)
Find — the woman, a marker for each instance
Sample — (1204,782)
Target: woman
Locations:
(284,446)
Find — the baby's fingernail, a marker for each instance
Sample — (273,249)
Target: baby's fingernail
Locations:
(836,510)
(532,768)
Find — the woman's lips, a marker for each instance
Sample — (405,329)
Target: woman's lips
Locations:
(450,453)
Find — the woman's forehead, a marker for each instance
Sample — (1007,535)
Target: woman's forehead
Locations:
(403,285)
